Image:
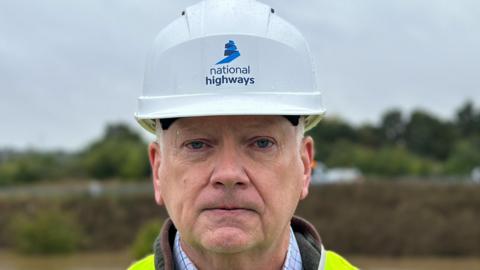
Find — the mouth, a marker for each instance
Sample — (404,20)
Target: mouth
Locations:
(228,210)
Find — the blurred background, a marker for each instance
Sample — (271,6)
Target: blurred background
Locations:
(396,184)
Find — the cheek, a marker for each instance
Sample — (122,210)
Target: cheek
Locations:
(280,182)
(181,186)
(289,167)
(289,185)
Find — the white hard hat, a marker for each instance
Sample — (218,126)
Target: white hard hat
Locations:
(229,57)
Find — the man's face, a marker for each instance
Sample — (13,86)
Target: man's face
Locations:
(231,183)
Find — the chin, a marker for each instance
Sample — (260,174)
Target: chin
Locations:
(228,240)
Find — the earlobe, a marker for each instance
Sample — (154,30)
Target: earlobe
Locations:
(307,154)
(154,155)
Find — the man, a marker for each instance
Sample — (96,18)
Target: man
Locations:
(229,91)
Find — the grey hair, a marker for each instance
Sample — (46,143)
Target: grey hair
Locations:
(300,129)
(159,133)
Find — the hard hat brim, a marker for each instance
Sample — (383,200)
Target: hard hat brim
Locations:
(230,104)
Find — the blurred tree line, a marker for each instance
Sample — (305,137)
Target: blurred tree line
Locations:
(419,144)
(121,153)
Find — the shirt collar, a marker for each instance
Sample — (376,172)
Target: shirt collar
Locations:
(293,261)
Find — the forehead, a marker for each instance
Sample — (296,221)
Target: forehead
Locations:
(237,123)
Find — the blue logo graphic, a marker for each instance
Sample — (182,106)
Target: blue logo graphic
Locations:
(231,53)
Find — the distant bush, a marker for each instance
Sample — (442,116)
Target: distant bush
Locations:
(386,161)
(396,219)
(146,236)
(46,232)
(29,167)
(465,157)
(384,218)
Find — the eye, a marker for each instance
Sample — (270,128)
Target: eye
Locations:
(263,143)
(196,145)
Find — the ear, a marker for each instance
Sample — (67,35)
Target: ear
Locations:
(307,153)
(154,155)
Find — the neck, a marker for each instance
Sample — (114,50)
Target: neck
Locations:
(271,257)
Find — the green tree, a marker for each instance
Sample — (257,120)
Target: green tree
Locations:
(370,136)
(329,131)
(120,153)
(468,120)
(428,136)
(393,126)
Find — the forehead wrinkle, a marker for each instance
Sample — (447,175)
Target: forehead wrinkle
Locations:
(276,124)
(191,130)
(194,128)
(260,126)
(211,128)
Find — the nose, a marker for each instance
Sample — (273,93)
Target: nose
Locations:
(229,171)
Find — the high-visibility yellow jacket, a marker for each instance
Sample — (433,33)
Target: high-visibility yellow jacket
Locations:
(314,256)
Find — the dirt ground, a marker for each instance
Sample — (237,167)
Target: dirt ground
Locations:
(370,263)
(121,260)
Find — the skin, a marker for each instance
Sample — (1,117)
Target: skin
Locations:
(231,185)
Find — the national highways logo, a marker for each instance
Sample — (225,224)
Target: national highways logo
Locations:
(231,53)
(224,74)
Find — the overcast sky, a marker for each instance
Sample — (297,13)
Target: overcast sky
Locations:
(69,67)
